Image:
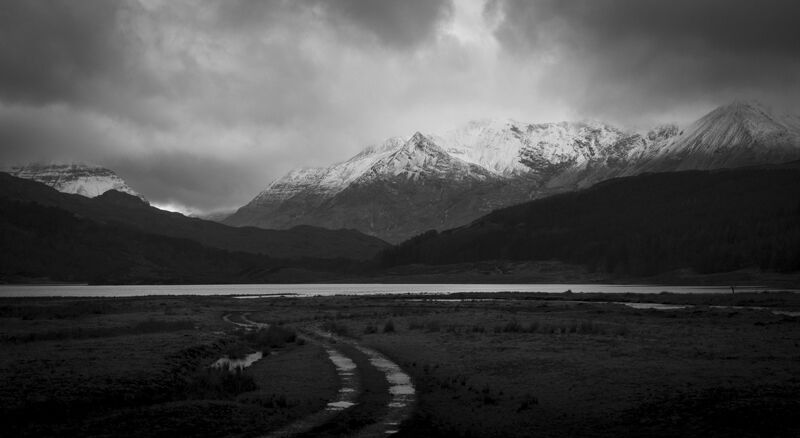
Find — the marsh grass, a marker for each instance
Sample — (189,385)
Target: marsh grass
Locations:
(139,328)
(218,383)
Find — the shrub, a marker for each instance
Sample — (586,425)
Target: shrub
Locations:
(528,401)
(512,326)
(388,327)
(274,336)
(416,324)
(237,350)
(215,383)
(336,327)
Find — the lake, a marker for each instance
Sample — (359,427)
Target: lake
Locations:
(305,290)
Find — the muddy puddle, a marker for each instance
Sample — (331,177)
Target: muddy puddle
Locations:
(345,368)
(241,363)
(403,394)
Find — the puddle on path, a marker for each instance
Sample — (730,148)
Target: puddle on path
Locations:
(242,363)
(346,397)
(345,368)
(401,389)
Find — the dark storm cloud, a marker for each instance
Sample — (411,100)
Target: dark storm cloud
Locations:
(61,51)
(398,24)
(203,102)
(204,183)
(726,25)
(629,52)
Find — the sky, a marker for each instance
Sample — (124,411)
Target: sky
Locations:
(198,105)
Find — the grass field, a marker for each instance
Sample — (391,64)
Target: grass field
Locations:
(503,365)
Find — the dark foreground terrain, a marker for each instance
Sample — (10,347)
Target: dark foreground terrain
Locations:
(502,365)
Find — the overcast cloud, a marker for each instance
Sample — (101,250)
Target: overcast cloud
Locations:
(201,104)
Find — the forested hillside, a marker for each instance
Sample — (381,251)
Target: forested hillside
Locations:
(707,221)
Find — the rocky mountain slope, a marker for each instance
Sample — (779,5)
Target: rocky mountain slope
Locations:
(76,178)
(401,188)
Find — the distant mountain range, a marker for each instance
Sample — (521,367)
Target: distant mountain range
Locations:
(721,226)
(403,187)
(130,211)
(77,178)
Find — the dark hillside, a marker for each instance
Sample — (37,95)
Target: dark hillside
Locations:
(42,243)
(114,206)
(706,221)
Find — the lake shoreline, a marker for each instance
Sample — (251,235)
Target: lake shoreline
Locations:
(365,289)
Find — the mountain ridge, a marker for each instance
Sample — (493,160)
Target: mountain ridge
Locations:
(75,178)
(117,207)
(500,163)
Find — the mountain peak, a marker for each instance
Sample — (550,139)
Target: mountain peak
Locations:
(744,110)
(745,104)
(418,138)
(747,116)
(77,178)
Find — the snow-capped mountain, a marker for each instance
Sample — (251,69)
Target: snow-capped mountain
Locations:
(738,134)
(390,189)
(76,178)
(400,188)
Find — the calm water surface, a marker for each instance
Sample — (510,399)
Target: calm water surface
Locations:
(255,290)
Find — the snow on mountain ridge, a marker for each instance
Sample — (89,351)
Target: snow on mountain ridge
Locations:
(732,135)
(327,181)
(421,156)
(76,178)
(403,187)
(508,149)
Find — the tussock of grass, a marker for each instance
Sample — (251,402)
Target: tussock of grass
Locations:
(336,327)
(275,336)
(582,327)
(218,383)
